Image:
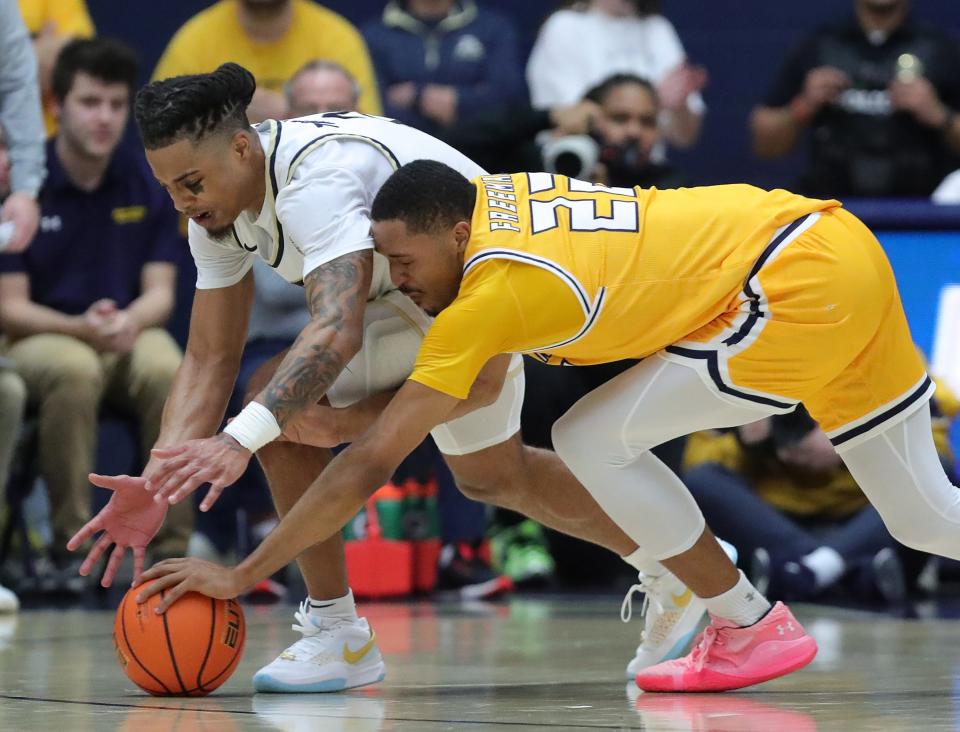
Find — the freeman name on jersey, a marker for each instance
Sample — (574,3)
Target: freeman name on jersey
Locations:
(501,202)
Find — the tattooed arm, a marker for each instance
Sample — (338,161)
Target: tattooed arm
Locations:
(336,296)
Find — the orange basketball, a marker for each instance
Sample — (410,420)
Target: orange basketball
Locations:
(189,650)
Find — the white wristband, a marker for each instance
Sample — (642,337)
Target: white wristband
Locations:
(254,427)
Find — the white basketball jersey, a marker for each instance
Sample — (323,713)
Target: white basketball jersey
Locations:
(322,174)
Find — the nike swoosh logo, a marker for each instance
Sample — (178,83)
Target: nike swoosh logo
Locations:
(683,599)
(355,656)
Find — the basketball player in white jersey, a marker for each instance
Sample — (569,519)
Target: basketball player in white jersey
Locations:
(298,194)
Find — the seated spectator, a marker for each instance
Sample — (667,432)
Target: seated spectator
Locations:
(879,93)
(581,46)
(778,490)
(52,24)
(83,307)
(443,61)
(273,40)
(321,86)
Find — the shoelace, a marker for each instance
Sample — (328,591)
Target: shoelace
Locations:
(310,628)
(647,586)
(702,645)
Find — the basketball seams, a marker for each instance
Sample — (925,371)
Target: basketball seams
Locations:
(231,665)
(126,640)
(234,659)
(173,656)
(206,656)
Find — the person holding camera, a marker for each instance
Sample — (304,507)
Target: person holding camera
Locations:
(587,41)
(617,150)
(879,94)
(608,137)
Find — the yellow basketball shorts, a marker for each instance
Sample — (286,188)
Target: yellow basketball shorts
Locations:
(819,321)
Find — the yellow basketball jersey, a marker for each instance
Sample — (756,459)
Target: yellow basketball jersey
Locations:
(648,266)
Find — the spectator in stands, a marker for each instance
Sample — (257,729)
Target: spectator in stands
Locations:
(879,93)
(581,46)
(441,61)
(623,136)
(272,38)
(13,396)
(321,86)
(778,490)
(627,133)
(84,306)
(52,24)
(22,123)
(608,137)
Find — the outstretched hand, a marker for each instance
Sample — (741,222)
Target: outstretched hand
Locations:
(130,519)
(178,471)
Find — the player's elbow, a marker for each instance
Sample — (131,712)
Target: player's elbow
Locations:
(343,340)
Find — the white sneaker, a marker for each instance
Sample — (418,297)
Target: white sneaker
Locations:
(8,601)
(671,614)
(334,654)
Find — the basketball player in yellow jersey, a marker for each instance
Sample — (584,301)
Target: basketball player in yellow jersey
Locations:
(741,303)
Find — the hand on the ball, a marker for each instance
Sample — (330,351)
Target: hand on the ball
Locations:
(181,576)
(177,471)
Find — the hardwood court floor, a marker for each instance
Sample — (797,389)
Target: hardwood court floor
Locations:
(550,664)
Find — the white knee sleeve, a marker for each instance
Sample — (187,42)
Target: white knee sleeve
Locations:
(900,472)
(605,440)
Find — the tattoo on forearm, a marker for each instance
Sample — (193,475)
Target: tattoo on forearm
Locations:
(336,294)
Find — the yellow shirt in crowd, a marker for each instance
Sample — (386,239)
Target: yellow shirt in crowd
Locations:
(578,274)
(215,36)
(68,18)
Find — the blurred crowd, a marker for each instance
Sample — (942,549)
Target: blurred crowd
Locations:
(92,250)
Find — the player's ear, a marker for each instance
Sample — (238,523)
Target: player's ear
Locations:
(240,144)
(461,235)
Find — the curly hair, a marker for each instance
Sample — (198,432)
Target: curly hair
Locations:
(194,107)
(427,196)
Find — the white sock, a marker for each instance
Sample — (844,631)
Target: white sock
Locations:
(338,607)
(826,564)
(640,561)
(742,604)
